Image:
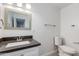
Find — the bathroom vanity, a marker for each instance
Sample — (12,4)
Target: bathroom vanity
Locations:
(14,19)
(9,46)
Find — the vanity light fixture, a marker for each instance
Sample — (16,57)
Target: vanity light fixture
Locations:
(10,3)
(18,9)
(21,5)
(24,5)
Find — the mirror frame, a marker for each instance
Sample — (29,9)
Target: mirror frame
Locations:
(7,11)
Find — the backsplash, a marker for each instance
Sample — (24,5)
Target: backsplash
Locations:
(15,37)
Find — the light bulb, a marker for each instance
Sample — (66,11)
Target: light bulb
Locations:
(28,6)
(19,4)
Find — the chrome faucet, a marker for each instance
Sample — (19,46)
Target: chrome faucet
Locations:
(19,38)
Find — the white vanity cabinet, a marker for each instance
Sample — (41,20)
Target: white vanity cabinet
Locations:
(34,51)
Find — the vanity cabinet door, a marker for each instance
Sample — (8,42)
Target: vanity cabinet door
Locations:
(24,52)
(34,52)
(30,52)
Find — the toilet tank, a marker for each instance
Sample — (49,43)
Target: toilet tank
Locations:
(58,40)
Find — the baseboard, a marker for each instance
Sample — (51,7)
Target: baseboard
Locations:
(51,53)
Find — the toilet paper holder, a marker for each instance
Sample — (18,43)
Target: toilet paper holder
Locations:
(50,25)
(76,42)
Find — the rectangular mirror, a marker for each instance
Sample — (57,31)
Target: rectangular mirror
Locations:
(16,20)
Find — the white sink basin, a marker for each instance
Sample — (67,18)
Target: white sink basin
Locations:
(17,43)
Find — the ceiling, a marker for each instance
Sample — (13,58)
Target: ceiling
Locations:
(61,5)
(58,5)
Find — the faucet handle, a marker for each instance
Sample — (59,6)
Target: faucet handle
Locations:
(17,38)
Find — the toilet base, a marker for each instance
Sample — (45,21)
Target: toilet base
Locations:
(66,51)
(61,53)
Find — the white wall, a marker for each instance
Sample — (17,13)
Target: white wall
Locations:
(45,14)
(41,14)
(70,16)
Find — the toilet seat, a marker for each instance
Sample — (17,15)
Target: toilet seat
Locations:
(67,49)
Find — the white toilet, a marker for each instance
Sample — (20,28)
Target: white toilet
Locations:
(63,49)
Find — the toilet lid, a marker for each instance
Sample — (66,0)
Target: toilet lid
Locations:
(67,49)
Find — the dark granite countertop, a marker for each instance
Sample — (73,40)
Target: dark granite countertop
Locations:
(4,49)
